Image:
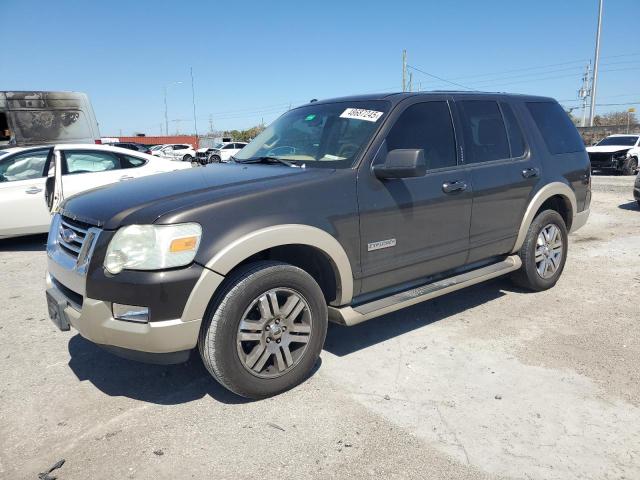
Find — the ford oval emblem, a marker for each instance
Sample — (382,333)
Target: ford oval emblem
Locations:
(68,235)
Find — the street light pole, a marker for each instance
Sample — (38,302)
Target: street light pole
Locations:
(166,114)
(594,84)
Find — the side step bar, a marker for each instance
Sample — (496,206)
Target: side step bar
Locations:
(353,315)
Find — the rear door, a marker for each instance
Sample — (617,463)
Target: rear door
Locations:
(503,173)
(86,169)
(22,180)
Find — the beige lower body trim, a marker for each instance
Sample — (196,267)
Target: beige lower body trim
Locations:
(353,315)
(580,219)
(95,322)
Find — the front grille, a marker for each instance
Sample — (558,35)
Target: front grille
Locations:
(74,237)
(201,154)
(597,157)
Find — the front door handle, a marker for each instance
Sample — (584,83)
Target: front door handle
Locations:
(530,172)
(126,177)
(33,190)
(454,187)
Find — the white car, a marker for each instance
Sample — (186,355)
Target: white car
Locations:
(616,152)
(176,151)
(24,172)
(224,152)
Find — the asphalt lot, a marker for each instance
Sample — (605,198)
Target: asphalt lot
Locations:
(488,382)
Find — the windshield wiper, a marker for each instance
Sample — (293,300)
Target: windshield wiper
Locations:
(268,160)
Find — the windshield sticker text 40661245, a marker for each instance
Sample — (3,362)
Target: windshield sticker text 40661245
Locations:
(361,114)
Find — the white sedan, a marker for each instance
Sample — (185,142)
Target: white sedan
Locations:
(24,171)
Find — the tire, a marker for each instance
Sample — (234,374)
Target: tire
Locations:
(630,166)
(528,276)
(231,360)
(187,158)
(214,159)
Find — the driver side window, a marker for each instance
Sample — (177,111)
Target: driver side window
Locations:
(426,126)
(89,162)
(23,166)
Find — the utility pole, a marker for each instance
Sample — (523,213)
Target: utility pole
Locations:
(210,123)
(411,81)
(193,99)
(166,115)
(584,92)
(404,70)
(594,83)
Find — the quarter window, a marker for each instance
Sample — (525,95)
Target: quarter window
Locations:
(484,130)
(559,133)
(132,162)
(23,166)
(90,162)
(426,126)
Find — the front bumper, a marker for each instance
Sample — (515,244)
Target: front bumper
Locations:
(95,322)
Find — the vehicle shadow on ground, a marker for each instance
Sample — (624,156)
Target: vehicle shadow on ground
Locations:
(343,340)
(31,243)
(630,206)
(159,384)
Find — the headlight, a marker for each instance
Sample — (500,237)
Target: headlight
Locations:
(623,154)
(152,247)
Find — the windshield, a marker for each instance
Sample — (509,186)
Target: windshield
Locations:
(624,141)
(328,135)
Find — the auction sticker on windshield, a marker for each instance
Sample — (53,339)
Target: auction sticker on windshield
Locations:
(361,114)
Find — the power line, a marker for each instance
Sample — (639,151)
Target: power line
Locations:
(438,78)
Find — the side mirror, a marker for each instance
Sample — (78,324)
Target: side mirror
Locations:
(402,163)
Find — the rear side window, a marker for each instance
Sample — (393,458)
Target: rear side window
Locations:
(426,126)
(484,130)
(90,162)
(516,140)
(558,132)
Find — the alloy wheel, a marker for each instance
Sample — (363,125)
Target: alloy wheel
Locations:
(274,333)
(549,251)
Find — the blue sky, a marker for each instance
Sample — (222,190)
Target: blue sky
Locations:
(252,59)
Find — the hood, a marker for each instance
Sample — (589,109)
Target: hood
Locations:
(143,200)
(609,148)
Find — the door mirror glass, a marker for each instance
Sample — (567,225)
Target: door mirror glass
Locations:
(402,163)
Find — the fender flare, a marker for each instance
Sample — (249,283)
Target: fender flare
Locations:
(242,248)
(546,192)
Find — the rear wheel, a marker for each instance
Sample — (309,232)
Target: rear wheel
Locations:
(630,166)
(187,158)
(543,253)
(265,331)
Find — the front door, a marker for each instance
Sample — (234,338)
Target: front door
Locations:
(413,228)
(22,206)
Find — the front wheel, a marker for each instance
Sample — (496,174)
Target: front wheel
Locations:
(265,330)
(214,159)
(630,166)
(543,253)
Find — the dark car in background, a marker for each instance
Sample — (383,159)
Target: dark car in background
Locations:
(139,147)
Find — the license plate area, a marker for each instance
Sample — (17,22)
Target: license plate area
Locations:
(56,303)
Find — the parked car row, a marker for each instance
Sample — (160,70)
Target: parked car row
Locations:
(221,152)
(24,172)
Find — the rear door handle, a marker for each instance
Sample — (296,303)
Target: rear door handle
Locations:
(454,187)
(33,190)
(530,172)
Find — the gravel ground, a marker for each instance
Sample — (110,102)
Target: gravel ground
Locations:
(489,382)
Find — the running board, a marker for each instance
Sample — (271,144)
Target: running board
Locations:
(353,315)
